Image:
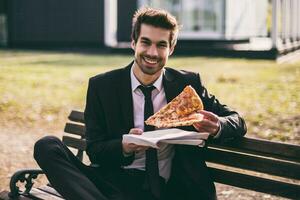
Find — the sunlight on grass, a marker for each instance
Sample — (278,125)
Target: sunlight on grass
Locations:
(42,87)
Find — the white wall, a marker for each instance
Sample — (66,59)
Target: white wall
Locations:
(245,18)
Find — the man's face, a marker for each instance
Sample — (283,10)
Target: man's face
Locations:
(152,49)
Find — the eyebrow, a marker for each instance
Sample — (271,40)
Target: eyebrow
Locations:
(144,38)
(160,42)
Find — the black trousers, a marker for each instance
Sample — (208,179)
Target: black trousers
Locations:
(77,181)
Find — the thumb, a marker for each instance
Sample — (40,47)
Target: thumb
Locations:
(136,131)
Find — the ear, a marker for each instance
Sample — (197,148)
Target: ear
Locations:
(172,49)
(132,44)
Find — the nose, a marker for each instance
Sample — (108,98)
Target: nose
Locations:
(152,51)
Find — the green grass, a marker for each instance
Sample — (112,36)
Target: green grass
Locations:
(39,87)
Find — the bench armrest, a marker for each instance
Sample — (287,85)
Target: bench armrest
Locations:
(27,176)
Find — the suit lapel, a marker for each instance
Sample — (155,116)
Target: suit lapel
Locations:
(171,86)
(125,97)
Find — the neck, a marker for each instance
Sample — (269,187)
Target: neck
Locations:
(145,79)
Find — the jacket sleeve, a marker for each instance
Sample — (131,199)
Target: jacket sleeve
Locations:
(232,124)
(102,147)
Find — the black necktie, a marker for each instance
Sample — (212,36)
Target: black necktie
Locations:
(152,171)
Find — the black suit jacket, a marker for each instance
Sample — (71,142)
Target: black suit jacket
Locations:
(109,112)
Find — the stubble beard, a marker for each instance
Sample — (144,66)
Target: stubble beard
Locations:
(148,70)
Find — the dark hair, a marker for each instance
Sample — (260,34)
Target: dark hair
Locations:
(157,18)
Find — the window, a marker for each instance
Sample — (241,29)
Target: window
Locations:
(199,18)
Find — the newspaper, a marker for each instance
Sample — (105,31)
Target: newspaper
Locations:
(170,136)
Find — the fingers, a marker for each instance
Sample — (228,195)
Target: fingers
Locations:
(131,147)
(207,126)
(136,131)
(141,148)
(209,115)
(210,123)
(138,148)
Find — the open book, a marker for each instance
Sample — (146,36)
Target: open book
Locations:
(170,136)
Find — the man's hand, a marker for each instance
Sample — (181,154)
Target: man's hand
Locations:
(210,123)
(129,148)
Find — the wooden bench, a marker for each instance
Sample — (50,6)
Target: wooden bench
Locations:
(254,164)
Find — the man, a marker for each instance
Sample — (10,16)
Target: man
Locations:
(118,103)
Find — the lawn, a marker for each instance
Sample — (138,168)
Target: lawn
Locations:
(39,88)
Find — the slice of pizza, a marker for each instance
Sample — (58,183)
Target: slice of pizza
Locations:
(183,110)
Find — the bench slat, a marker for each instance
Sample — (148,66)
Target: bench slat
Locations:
(253,162)
(74,142)
(4,196)
(76,129)
(50,190)
(76,116)
(36,193)
(263,147)
(259,184)
(246,144)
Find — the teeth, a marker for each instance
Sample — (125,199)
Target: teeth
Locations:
(152,61)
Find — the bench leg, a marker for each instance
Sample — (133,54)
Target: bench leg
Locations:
(23,176)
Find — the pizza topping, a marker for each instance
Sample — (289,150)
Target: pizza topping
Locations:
(181,111)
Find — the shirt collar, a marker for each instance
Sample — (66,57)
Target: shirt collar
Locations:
(158,84)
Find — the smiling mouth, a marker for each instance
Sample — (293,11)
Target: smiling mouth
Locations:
(151,60)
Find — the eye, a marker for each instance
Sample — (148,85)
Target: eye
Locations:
(162,45)
(145,42)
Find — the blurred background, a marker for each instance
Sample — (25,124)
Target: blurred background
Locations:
(247,52)
(248,28)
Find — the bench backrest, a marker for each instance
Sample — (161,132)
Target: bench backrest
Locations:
(75,127)
(232,159)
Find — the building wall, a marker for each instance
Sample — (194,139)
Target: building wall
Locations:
(244,19)
(126,10)
(3,24)
(56,22)
(2,6)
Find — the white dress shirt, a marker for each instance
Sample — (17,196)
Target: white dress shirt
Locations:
(166,151)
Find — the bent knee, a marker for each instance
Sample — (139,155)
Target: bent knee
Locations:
(44,146)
